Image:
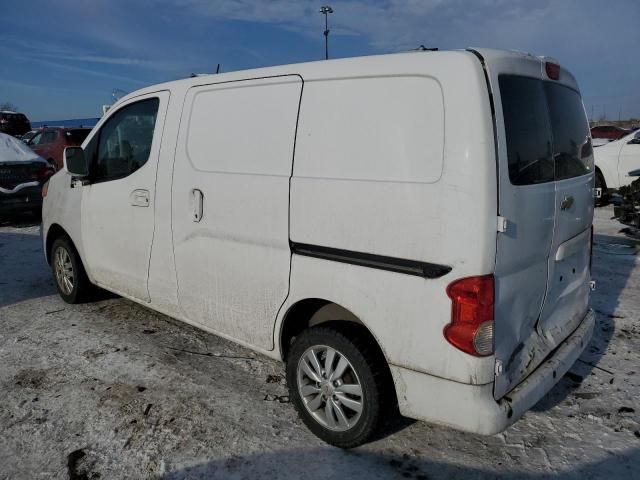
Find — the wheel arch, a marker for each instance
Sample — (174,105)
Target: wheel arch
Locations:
(55,231)
(309,312)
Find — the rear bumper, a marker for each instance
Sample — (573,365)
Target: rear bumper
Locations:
(29,198)
(472,407)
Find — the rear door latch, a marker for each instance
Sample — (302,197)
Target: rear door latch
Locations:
(503,223)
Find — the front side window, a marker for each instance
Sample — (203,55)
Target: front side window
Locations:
(527,130)
(124,142)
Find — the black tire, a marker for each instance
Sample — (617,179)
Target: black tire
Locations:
(81,286)
(369,371)
(600,183)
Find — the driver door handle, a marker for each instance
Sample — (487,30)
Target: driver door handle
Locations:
(139,198)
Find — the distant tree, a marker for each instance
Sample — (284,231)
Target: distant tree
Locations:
(8,106)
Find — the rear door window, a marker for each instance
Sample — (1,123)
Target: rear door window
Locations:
(546,128)
(572,149)
(527,130)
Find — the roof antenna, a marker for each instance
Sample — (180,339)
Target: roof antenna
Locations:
(422,48)
(218,69)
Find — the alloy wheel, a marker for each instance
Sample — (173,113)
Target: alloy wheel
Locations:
(64,270)
(330,388)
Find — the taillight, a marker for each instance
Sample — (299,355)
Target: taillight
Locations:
(471,327)
(553,70)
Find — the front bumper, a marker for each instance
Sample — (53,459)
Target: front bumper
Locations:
(25,199)
(472,408)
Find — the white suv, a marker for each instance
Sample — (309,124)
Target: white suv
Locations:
(615,160)
(409,229)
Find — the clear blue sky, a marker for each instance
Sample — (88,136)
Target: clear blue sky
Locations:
(62,59)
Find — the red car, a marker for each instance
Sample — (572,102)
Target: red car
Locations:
(610,132)
(50,142)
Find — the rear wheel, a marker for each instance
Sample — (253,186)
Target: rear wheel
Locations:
(68,272)
(336,385)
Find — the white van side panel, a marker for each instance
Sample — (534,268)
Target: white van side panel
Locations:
(351,123)
(439,206)
(401,312)
(235,151)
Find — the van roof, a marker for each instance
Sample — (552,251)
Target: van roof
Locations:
(322,69)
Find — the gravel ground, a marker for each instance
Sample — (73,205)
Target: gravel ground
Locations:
(113,390)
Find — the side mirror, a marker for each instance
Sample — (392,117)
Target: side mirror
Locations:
(74,161)
(635,140)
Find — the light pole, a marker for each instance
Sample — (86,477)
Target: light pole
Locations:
(326,10)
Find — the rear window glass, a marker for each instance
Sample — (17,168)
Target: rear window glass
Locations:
(572,149)
(547,133)
(527,130)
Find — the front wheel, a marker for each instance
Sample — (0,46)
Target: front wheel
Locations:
(68,272)
(336,385)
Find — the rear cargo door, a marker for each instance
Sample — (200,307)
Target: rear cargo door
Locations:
(567,296)
(527,203)
(545,164)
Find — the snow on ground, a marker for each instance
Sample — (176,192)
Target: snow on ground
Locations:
(113,390)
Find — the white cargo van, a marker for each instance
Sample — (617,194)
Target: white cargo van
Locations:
(410,229)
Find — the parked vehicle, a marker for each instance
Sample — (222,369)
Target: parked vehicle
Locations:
(598,142)
(22,175)
(391,240)
(50,142)
(627,208)
(610,132)
(614,161)
(14,123)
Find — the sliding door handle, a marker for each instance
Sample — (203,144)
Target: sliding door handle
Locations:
(139,198)
(197,207)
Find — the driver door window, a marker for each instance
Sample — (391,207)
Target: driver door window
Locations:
(124,141)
